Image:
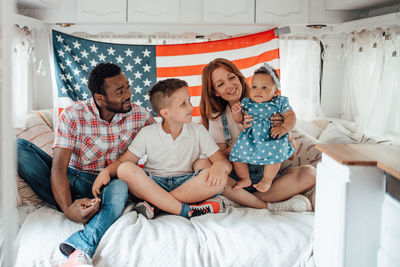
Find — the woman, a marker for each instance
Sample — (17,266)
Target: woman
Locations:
(222,86)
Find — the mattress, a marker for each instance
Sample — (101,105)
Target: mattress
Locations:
(239,237)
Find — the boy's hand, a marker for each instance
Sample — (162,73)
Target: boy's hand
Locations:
(236,108)
(216,176)
(278,132)
(263,186)
(102,179)
(242,183)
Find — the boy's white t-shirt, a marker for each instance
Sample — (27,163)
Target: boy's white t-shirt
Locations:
(166,157)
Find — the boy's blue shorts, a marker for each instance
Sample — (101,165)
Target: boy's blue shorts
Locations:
(172,182)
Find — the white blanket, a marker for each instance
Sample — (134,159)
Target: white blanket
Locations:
(238,237)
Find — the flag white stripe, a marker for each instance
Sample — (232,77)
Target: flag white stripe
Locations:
(195,80)
(198,59)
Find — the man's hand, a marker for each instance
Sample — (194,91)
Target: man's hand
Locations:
(278,132)
(102,179)
(82,210)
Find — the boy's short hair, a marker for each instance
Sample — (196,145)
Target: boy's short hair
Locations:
(161,92)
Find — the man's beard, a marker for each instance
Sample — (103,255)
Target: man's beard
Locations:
(119,109)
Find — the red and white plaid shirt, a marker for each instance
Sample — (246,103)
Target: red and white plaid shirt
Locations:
(94,142)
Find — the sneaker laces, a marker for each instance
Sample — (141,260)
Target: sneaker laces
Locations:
(199,210)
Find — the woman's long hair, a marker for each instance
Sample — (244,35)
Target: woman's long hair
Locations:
(212,106)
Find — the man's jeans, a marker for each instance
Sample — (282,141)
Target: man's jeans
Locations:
(34,166)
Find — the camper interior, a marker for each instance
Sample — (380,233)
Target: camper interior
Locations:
(339,64)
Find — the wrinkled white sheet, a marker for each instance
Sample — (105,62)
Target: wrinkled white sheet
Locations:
(238,237)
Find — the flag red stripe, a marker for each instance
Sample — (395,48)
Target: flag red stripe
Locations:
(215,46)
(195,90)
(245,63)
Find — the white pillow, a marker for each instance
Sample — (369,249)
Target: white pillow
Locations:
(335,133)
(309,127)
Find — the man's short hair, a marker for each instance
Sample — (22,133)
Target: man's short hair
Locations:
(99,74)
(161,92)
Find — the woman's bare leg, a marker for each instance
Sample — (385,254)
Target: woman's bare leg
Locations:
(242,196)
(295,181)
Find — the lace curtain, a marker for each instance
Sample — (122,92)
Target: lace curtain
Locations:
(23,55)
(300,74)
(371,83)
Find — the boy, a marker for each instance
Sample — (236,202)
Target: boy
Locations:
(172,146)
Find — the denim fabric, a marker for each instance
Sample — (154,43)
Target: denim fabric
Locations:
(172,182)
(34,166)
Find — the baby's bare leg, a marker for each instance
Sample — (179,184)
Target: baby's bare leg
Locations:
(270,172)
(242,171)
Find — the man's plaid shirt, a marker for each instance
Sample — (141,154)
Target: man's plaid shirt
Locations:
(95,143)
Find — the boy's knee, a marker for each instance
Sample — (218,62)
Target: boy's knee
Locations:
(127,170)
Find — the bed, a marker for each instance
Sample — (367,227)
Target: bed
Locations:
(239,237)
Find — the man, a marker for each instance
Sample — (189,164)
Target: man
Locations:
(90,135)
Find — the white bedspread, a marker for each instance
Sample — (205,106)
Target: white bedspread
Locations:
(239,237)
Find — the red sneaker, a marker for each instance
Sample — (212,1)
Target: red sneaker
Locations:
(78,258)
(213,205)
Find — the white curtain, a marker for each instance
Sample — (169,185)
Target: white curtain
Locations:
(300,74)
(372,82)
(23,55)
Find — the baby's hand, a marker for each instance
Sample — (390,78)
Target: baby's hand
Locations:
(262,186)
(278,132)
(236,108)
(242,183)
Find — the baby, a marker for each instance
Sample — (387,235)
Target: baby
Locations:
(262,144)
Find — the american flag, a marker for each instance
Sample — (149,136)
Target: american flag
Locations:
(144,65)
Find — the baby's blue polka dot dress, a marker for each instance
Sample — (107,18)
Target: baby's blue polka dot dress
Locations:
(255,144)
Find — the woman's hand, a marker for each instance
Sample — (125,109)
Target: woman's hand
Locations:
(276,120)
(278,132)
(102,179)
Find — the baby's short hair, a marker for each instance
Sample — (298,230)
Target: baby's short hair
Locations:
(161,92)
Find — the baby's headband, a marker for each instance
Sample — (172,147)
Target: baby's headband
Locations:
(272,73)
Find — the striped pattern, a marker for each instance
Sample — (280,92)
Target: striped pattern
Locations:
(37,130)
(143,65)
(186,61)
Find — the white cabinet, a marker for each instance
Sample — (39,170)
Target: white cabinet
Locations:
(155,11)
(101,11)
(283,12)
(228,11)
(349,195)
